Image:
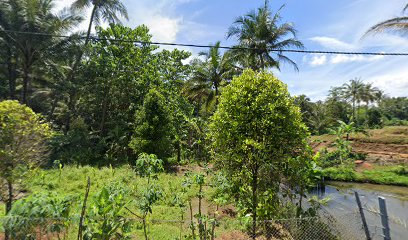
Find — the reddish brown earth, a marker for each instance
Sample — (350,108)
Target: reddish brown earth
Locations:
(377,153)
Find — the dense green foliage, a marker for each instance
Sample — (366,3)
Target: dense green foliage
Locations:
(39,214)
(261,31)
(23,145)
(390,175)
(153,131)
(258,132)
(344,104)
(110,97)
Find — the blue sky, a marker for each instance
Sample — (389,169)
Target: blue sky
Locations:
(322,25)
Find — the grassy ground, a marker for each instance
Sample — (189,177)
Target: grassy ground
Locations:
(389,175)
(71,181)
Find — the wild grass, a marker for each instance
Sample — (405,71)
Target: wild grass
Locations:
(71,181)
(389,175)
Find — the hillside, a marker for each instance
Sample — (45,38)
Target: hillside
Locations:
(386,146)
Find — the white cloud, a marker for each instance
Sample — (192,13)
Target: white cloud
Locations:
(354,58)
(318,60)
(159,16)
(164,28)
(394,83)
(332,43)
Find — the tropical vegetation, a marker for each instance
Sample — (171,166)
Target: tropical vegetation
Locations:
(103,132)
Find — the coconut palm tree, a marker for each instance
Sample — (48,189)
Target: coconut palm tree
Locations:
(353,92)
(209,75)
(317,119)
(26,51)
(102,11)
(397,24)
(370,94)
(261,39)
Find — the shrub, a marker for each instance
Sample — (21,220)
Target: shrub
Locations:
(340,173)
(23,144)
(401,170)
(148,165)
(37,215)
(106,218)
(154,130)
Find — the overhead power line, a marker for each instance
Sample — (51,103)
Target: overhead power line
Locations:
(208,46)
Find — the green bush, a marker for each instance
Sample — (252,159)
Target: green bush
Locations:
(396,122)
(38,214)
(154,128)
(401,170)
(340,173)
(106,218)
(148,165)
(374,118)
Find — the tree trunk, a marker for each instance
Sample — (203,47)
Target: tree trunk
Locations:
(26,84)
(254,199)
(88,34)
(200,221)
(104,110)
(262,62)
(71,106)
(145,228)
(53,106)
(12,74)
(216,93)
(9,204)
(354,110)
(70,76)
(28,62)
(178,151)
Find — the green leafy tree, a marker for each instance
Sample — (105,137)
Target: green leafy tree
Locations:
(256,130)
(374,118)
(23,144)
(318,119)
(262,32)
(102,11)
(394,107)
(153,127)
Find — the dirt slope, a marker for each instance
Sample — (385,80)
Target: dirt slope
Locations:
(385,146)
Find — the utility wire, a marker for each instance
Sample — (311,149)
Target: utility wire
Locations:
(209,46)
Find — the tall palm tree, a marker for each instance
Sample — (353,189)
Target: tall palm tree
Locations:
(30,50)
(397,24)
(317,119)
(370,94)
(353,92)
(102,11)
(262,38)
(209,75)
